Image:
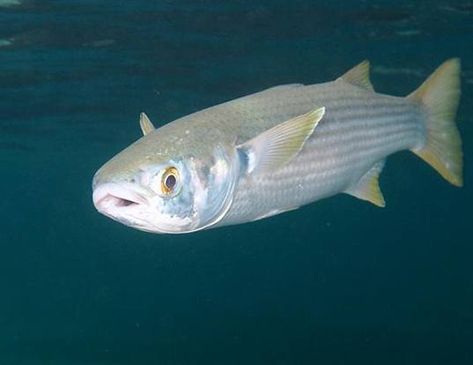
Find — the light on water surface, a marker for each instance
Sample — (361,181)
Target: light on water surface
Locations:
(9,3)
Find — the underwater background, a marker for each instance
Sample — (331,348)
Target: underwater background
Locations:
(336,282)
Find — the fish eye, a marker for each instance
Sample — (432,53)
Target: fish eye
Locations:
(169,180)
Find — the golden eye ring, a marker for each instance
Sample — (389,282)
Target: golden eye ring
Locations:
(169,180)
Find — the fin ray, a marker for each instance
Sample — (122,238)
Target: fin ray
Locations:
(145,124)
(440,95)
(359,76)
(367,188)
(277,146)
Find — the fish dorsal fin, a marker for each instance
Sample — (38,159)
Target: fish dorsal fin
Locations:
(275,147)
(145,124)
(359,76)
(367,188)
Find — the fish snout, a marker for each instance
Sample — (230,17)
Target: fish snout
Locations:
(113,196)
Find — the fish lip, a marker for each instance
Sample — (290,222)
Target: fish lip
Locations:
(118,196)
(108,199)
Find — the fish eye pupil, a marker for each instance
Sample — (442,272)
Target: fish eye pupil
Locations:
(170,182)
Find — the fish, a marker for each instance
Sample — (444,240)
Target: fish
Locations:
(277,150)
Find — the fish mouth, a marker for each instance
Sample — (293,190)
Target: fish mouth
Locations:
(110,197)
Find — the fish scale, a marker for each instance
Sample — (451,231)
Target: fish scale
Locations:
(344,146)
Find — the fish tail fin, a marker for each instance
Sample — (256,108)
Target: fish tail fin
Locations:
(440,95)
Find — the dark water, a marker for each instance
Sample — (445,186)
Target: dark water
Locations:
(336,282)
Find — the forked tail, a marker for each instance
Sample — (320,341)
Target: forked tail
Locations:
(440,95)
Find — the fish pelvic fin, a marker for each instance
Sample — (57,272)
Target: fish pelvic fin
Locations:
(277,146)
(440,95)
(367,188)
(359,76)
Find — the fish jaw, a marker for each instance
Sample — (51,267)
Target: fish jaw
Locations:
(126,204)
(121,202)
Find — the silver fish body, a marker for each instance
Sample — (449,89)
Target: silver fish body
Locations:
(359,130)
(241,172)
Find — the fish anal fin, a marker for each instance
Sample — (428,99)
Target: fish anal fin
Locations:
(276,146)
(359,76)
(367,188)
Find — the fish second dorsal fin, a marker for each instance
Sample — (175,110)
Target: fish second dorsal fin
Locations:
(359,76)
(367,188)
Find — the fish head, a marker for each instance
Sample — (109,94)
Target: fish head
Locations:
(169,181)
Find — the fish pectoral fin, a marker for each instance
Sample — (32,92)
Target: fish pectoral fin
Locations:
(367,188)
(359,76)
(145,124)
(275,147)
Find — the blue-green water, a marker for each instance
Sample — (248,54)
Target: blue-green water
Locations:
(336,282)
